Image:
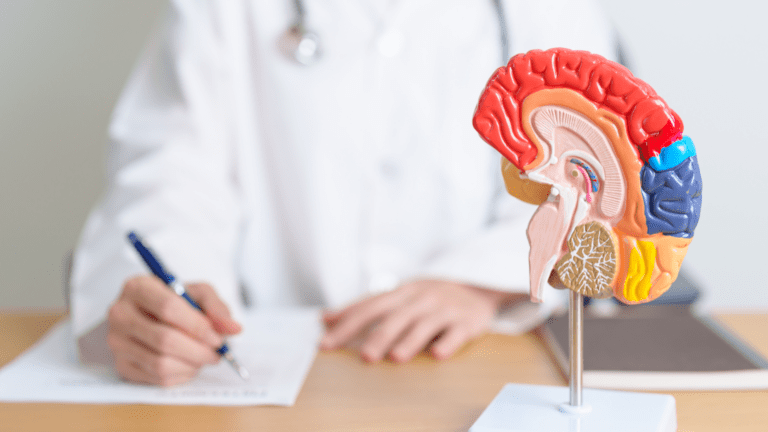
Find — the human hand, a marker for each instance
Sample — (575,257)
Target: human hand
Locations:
(156,337)
(412,317)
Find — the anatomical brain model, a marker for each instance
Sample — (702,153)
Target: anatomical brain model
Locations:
(603,156)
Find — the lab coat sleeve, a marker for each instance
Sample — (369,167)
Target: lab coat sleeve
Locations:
(170,172)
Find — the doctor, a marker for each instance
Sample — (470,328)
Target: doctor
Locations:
(356,183)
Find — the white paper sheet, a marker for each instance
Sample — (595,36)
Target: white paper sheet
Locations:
(277,347)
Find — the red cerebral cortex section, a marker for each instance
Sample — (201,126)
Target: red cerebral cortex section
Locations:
(651,124)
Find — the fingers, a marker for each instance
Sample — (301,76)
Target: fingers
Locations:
(157,337)
(132,372)
(378,343)
(127,321)
(418,338)
(215,309)
(409,319)
(355,319)
(150,295)
(136,362)
(450,341)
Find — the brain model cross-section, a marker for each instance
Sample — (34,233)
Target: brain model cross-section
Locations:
(617,184)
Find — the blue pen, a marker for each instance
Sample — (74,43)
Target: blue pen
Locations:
(158,270)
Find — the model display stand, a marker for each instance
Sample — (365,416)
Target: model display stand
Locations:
(619,194)
(532,408)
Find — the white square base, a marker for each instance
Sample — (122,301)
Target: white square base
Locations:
(532,408)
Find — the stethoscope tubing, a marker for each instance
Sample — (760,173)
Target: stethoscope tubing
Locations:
(298,30)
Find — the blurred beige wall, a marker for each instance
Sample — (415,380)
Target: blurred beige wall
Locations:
(62,66)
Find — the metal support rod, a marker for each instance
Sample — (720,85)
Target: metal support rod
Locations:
(576,342)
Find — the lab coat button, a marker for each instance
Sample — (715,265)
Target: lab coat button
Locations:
(390,43)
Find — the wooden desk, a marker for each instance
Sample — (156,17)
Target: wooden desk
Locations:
(344,394)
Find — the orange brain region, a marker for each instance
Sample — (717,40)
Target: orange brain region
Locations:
(620,172)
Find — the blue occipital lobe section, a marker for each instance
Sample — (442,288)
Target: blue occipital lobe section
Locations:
(672,198)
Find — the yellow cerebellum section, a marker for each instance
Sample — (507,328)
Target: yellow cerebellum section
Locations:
(637,285)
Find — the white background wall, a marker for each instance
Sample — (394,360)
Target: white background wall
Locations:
(708,60)
(63,63)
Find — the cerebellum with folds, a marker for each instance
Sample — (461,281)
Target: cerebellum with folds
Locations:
(648,201)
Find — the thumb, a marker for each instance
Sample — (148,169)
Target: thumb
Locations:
(214,308)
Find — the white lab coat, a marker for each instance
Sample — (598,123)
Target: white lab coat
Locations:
(322,184)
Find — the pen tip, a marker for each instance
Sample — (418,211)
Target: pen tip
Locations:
(243,373)
(237,367)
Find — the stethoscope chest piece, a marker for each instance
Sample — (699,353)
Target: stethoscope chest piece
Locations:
(301,45)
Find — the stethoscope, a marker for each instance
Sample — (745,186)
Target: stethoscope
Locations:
(303,45)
